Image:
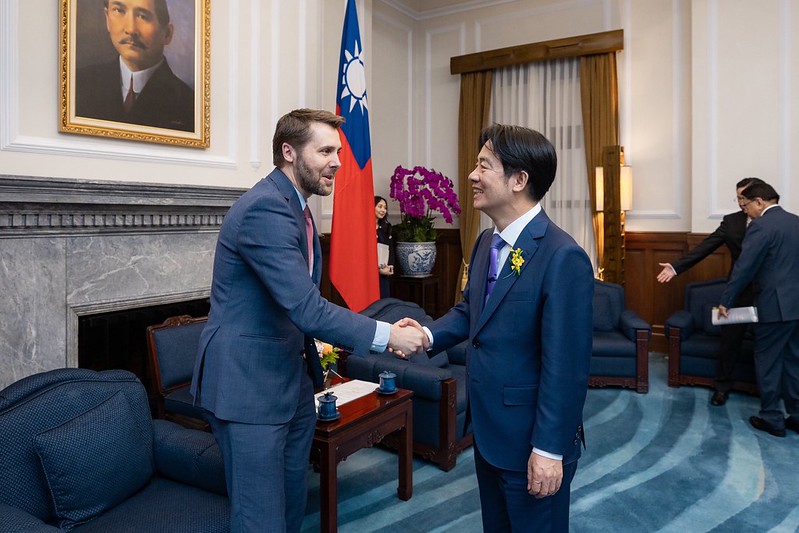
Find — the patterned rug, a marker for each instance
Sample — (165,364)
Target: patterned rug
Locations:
(662,461)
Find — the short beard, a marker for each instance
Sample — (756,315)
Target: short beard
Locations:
(306,181)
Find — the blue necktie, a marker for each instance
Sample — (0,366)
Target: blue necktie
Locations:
(493,264)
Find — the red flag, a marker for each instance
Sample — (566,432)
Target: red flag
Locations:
(353,238)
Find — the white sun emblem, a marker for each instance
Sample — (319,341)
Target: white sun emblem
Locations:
(353,78)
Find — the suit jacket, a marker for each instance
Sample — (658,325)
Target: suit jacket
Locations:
(530,351)
(770,260)
(730,232)
(165,102)
(265,311)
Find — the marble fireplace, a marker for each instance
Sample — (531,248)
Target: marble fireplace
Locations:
(69,249)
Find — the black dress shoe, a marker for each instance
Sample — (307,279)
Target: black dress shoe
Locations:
(762,425)
(719,398)
(791,424)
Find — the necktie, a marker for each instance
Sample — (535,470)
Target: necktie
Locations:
(493,263)
(130,98)
(309,237)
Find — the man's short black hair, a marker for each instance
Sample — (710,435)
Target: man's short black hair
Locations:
(761,190)
(746,182)
(519,148)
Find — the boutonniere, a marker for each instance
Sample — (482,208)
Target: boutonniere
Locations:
(516,261)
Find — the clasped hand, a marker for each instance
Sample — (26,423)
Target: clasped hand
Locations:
(407,338)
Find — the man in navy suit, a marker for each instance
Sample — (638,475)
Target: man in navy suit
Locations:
(257,363)
(770,260)
(731,233)
(530,325)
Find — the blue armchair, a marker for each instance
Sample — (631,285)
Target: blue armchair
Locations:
(694,341)
(172,350)
(438,384)
(620,351)
(79,451)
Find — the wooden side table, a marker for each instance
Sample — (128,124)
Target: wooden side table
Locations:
(364,422)
(418,290)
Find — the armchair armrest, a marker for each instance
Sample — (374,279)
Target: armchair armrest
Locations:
(683,320)
(15,520)
(189,456)
(630,322)
(423,380)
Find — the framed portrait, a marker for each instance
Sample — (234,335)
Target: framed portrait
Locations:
(136,70)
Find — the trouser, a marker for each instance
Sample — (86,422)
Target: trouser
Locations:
(508,507)
(266,466)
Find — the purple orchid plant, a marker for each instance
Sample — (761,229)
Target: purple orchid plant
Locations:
(421,192)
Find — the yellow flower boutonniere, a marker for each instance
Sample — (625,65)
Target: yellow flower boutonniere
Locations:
(328,355)
(516,261)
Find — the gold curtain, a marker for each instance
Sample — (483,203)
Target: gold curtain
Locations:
(475,103)
(600,99)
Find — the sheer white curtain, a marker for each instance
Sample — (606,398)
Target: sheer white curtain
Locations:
(546,97)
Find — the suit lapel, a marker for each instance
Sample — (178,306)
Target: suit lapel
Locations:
(528,242)
(288,191)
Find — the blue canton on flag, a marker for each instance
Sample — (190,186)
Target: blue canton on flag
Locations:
(351,93)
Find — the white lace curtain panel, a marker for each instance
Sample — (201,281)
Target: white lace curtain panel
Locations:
(546,97)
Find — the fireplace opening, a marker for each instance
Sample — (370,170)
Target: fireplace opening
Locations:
(118,339)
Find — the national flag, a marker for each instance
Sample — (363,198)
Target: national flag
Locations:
(353,238)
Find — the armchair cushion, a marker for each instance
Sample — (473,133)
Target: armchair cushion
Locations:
(94,461)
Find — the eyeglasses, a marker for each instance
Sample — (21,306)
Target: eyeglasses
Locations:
(742,204)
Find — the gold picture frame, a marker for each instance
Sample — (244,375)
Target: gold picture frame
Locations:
(166,41)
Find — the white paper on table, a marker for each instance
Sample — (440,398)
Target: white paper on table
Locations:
(348,391)
(382,254)
(735,315)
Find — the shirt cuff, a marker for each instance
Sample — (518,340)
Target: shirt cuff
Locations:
(548,455)
(382,336)
(429,337)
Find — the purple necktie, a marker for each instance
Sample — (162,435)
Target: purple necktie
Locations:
(493,263)
(309,237)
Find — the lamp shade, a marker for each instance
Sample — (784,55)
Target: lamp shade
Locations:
(599,177)
(626,188)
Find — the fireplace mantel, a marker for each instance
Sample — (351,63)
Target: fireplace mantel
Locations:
(70,248)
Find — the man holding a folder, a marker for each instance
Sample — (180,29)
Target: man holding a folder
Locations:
(770,260)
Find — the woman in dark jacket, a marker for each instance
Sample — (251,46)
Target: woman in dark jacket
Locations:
(384,237)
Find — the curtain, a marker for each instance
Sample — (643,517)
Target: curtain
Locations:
(600,104)
(472,118)
(546,97)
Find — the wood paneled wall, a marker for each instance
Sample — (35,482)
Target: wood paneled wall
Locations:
(654,301)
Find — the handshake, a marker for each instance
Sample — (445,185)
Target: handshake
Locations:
(408,338)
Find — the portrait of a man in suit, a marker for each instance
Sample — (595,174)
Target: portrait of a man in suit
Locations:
(138,86)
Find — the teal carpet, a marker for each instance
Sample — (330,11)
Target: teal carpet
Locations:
(662,461)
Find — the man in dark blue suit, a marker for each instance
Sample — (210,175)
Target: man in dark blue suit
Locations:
(257,363)
(731,233)
(770,260)
(529,320)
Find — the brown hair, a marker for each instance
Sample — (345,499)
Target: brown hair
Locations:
(294,128)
